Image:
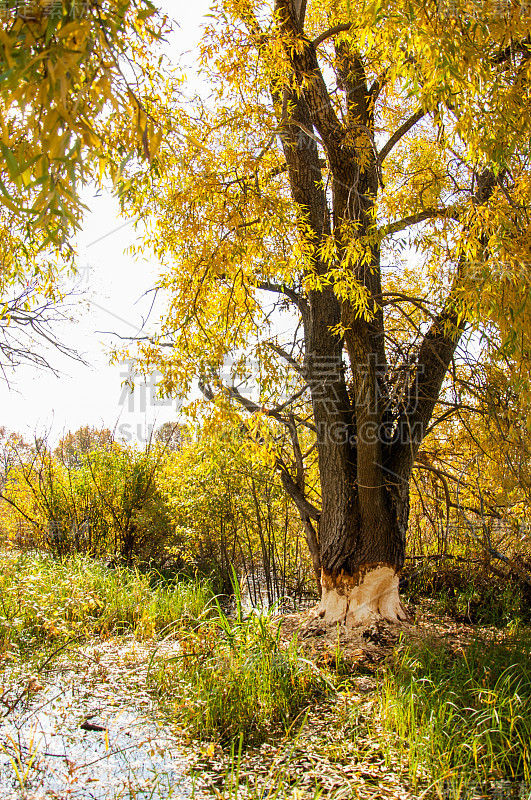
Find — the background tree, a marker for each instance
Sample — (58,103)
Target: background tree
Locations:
(74,446)
(356,135)
(100,499)
(170,435)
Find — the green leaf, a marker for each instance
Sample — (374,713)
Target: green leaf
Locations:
(11,161)
(147,12)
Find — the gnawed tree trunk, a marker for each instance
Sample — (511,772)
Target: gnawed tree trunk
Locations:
(366,443)
(360,570)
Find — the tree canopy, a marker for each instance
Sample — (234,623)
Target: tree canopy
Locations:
(73,76)
(341,221)
(66,67)
(434,105)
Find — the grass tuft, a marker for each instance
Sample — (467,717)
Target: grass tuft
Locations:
(234,679)
(461,718)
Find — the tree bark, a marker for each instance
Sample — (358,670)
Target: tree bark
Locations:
(366,446)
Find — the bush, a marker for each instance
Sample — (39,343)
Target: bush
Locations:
(470,594)
(105,503)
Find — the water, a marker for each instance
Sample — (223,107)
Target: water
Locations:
(255,595)
(44,753)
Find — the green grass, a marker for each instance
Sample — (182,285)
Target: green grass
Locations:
(235,679)
(44,600)
(461,719)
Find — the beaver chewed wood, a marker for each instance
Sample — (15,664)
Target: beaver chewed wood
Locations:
(360,599)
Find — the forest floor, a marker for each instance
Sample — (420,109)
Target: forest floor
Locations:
(335,755)
(440,708)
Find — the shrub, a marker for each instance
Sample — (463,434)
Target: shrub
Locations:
(46,600)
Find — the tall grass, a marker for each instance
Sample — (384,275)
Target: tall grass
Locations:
(461,719)
(43,599)
(234,679)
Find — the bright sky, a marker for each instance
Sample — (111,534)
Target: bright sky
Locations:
(114,285)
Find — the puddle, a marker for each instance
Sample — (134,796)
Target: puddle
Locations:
(120,752)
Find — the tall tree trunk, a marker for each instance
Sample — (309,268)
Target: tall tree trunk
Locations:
(364,516)
(366,445)
(360,571)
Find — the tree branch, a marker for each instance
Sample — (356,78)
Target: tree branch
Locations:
(399,133)
(277,288)
(342,27)
(420,216)
(298,497)
(286,356)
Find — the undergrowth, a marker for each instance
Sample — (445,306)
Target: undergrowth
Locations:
(461,718)
(235,679)
(45,600)
(469,595)
(447,718)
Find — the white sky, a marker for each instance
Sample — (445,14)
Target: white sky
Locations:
(114,285)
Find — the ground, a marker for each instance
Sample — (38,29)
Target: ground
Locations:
(88,722)
(329,753)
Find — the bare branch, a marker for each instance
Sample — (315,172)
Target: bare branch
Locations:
(277,288)
(286,356)
(26,321)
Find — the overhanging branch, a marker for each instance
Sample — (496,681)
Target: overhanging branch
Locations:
(399,133)
(420,216)
(343,27)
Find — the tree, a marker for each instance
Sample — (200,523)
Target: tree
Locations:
(72,77)
(336,129)
(170,435)
(74,446)
(63,74)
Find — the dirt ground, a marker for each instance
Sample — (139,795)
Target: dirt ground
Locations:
(371,645)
